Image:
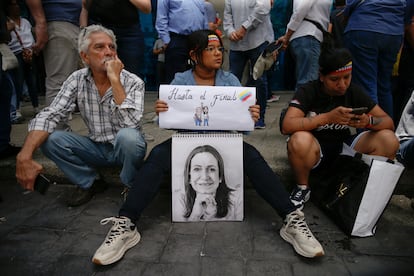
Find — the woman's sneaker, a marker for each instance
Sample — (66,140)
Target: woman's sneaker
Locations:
(296,232)
(122,236)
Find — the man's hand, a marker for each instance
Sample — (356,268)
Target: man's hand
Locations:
(26,171)
(114,67)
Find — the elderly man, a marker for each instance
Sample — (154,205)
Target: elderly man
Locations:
(110,101)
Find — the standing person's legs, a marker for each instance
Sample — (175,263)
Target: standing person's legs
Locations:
(131,48)
(31,81)
(129,151)
(238,61)
(176,56)
(6,88)
(147,181)
(61,56)
(18,79)
(305,51)
(364,49)
(389,46)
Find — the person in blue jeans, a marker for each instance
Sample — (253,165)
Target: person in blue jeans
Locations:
(111,103)
(6,91)
(206,54)
(249,29)
(374,34)
(304,38)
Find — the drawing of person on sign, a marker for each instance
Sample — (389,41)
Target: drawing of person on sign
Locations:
(197,116)
(204,115)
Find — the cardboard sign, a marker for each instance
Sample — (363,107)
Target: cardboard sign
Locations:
(207,107)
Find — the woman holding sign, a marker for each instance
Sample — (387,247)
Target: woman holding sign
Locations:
(206,54)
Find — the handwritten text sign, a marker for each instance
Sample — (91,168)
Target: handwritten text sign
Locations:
(207,107)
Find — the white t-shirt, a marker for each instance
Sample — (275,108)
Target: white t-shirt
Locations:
(25,33)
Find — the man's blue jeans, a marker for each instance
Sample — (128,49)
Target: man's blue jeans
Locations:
(158,165)
(238,60)
(406,153)
(78,156)
(374,55)
(305,51)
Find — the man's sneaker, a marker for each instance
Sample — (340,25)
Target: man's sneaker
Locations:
(81,196)
(299,196)
(296,232)
(122,236)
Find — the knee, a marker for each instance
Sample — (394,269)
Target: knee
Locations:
(129,138)
(389,143)
(300,141)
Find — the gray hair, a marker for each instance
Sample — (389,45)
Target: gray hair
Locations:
(85,34)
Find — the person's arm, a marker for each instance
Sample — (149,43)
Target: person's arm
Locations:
(113,71)
(36,10)
(376,119)
(26,168)
(162,21)
(83,19)
(142,5)
(295,119)
(295,21)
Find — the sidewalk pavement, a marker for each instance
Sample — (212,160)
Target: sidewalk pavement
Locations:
(40,235)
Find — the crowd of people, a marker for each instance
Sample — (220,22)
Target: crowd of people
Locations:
(91,57)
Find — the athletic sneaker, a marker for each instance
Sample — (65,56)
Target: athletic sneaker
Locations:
(273,98)
(299,197)
(296,232)
(260,124)
(122,236)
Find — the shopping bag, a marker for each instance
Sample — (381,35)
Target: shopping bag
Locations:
(9,60)
(356,189)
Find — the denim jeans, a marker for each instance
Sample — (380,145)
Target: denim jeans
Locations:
(305,51)
(374,55)
(78,156)
(406,153)
(6,90)
(158,165)
(238,60)
(131,48)
(176,56)
(25,72)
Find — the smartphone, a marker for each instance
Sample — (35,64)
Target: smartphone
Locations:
(359,110)
(41,184)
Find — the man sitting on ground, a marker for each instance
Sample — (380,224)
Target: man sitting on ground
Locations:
(111,103)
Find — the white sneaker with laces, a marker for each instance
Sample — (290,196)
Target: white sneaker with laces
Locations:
(296,232)
(122,236)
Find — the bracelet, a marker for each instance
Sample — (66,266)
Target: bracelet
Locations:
(371,121)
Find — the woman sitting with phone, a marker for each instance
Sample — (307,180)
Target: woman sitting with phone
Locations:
(322,114)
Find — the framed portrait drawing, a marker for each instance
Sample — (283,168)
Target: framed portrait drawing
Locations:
(207,177)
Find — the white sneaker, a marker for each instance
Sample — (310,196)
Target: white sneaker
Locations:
(296,232)
(122,236)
